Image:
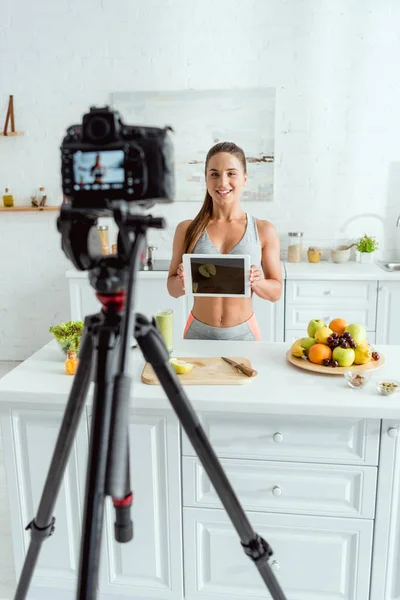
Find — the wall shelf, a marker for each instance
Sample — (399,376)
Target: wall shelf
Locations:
(28,208)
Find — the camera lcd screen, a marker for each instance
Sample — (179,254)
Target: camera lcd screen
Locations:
(217,275)
(103,170)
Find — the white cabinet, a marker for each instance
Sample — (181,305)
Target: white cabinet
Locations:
(270,317)
(385,583)
(29,436)
(388,313)
(150,565)
(296,488)
(314,557)
(306,439)
(354,301)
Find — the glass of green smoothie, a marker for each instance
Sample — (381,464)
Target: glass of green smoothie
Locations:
(165,325)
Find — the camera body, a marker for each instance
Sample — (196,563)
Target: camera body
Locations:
(104,159)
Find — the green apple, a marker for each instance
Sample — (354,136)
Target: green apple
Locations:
(357,332)
(322,334)
(307,342)
(344,356)
(314,325)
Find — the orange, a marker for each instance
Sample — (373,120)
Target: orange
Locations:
(318,353)
(338,326)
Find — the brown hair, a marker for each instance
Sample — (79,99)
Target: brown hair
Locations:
(200,222)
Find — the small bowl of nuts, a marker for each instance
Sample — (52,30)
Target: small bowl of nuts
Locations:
(357,379)
(388,387)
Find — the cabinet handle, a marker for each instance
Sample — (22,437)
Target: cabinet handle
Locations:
(393,432)
(328,292)
(276,490)
(275,566)
(278,438)
(382,288)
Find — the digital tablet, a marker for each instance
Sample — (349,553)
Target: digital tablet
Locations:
(222,275)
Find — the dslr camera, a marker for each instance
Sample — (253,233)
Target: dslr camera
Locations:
(103,160)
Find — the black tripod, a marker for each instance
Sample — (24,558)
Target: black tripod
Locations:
(103,358)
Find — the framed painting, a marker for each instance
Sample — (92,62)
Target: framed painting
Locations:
(202,118)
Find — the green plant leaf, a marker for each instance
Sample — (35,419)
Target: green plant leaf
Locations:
(367,244)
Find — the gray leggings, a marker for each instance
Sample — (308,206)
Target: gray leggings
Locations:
(244,332)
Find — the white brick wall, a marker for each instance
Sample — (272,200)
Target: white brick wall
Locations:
(334,65)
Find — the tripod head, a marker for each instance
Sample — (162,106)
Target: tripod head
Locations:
(107,274)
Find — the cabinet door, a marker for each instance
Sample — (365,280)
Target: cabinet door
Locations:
(388,314)
(314,557)
(152,296)
(29,437)
(354,301)
(150,565)
(385,583)
(270,318)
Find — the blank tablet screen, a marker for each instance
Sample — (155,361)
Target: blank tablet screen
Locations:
(218,275)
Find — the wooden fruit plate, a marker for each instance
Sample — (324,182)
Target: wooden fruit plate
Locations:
(305,364)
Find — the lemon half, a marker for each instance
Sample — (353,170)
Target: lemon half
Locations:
(208,270)
(180,366)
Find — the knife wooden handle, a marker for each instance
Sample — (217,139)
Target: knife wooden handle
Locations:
(246,370)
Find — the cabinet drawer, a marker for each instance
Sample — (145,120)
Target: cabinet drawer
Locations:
(314,557)
(309,439)
(330,490)
(353,301)
(321,291)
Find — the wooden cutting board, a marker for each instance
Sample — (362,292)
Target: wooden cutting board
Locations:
(206,371)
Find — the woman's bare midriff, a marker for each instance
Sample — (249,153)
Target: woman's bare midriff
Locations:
(222,312)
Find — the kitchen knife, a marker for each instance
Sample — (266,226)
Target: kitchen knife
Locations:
(249,371)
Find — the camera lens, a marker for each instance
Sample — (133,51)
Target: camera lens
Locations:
(98,128)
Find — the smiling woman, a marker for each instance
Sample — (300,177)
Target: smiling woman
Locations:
(222,226)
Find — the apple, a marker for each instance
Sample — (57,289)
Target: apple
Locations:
(357,332)
(307,342)
(344,356)
(314,325)
(322,334)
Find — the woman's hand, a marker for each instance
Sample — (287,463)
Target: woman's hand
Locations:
(255,277)
(181,276)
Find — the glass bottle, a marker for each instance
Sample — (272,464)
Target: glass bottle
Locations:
(314,254)
(8,200)
(71,364)
(295,247)
(104,238)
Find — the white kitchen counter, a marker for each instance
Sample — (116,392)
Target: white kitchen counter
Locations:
(314,463)
(300,271)
(75,274)
(351,270)
(280,388)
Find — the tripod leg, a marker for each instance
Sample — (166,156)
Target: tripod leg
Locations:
(43,525)
(123,526)
(155,352)
(97,464)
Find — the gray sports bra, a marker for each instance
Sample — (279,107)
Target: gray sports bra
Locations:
(249,244)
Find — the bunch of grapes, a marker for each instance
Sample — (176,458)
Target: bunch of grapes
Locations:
(333,341)
(329,362)
(344,341)
(375,356)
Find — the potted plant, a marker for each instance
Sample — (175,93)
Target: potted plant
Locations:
(68,335)
(365,246)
